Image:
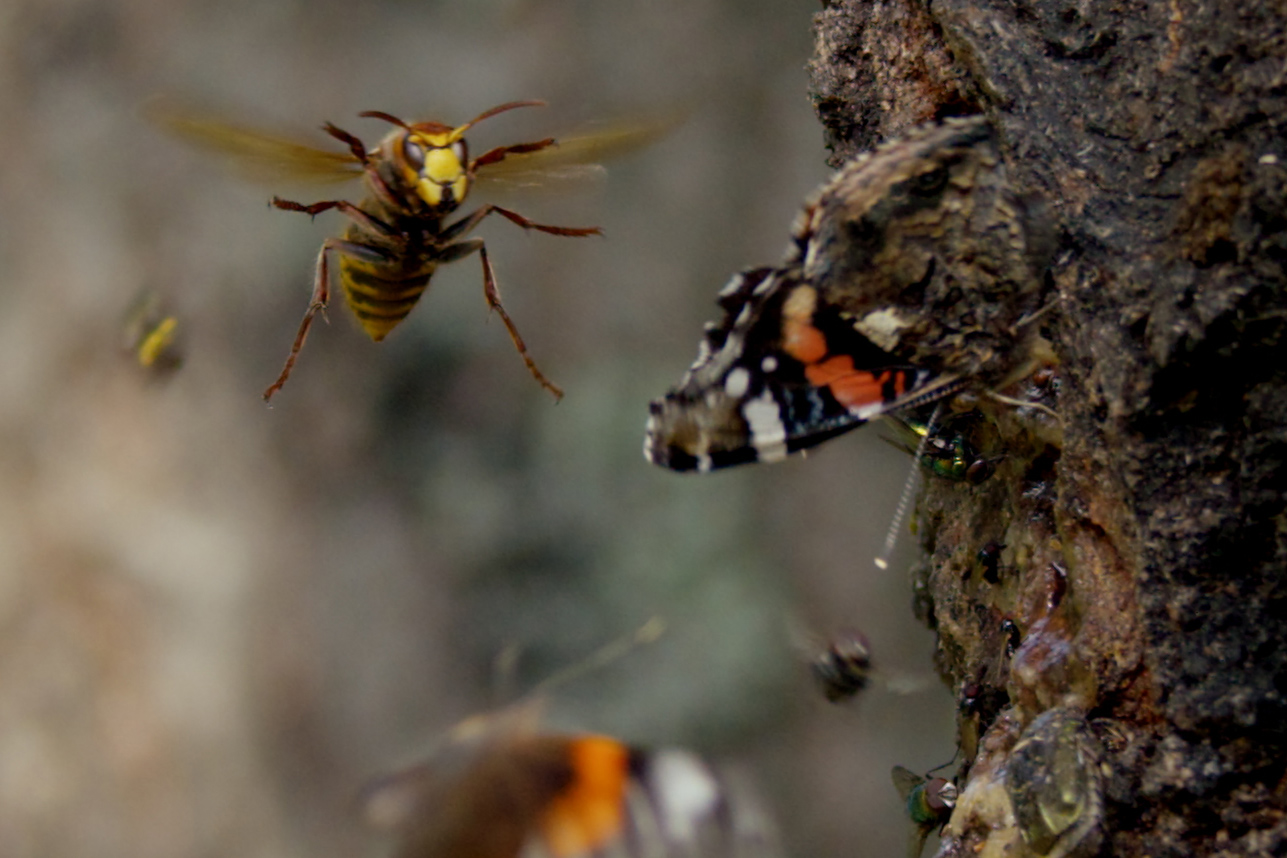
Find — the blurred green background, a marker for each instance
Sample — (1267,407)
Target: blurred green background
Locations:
(217,620)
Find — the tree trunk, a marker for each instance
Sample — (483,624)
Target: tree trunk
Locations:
(1110,603)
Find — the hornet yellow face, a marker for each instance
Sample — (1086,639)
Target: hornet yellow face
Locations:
(435,161)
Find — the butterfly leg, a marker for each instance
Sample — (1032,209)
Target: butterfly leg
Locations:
(1023,403)
(321,294)
(490,291)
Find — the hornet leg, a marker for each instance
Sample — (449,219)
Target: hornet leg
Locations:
(492,294)
(464,225)
(317,303)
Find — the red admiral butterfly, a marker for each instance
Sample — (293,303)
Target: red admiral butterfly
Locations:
(911,274)
(499,786)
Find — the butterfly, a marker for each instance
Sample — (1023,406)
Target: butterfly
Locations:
(499,785)
(914,273)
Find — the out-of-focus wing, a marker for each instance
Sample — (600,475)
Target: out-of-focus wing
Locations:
(575,158)
(905,780)
(257,155)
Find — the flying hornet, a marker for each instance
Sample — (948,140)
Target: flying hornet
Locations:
(398,235)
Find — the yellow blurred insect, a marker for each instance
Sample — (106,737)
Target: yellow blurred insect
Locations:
(416,178)
(150,336)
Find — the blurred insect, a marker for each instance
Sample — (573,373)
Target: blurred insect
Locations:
(843,669)
(498,785)
(150,336)
(416,178)
(929,802)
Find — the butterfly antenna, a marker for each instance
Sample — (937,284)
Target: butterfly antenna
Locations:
(909,489)
(604,655)
(1023,403)
(505,673)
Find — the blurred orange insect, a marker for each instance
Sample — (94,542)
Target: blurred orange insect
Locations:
(416,178)
(500,786)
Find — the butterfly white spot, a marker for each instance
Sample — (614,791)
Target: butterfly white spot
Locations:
(868,412)
(650,435)
(768,435)
(685,791)
(801,303)
(737,382)
(800,226)
(811,255)
(732,286)
(769,364)
(703,354)
(883,327)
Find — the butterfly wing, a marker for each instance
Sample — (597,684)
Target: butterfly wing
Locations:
(785,370)
(493,793)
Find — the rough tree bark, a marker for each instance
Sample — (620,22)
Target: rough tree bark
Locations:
(1118,647)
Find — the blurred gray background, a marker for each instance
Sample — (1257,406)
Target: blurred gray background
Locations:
(217,620)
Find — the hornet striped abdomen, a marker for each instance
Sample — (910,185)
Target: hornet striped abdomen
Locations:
(382,291)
